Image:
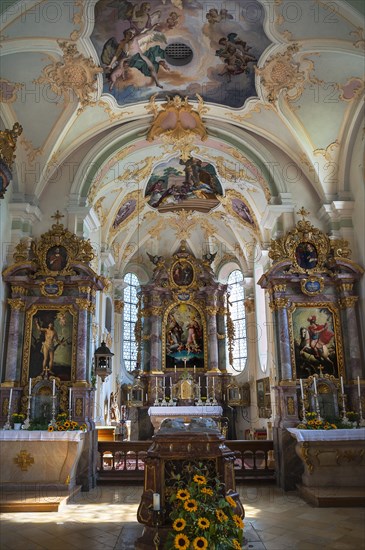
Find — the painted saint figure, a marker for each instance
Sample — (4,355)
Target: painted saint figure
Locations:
(49,346)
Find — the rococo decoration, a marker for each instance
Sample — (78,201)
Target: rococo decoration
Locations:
(8,139)
(75,74)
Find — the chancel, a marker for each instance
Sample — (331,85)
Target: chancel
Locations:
(181,226)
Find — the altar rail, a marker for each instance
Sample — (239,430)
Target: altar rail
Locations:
(124,460)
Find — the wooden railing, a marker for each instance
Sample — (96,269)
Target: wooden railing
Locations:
(124,460)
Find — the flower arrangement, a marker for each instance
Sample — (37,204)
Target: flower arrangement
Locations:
(352,416)
(18,418)
(65,425)
(312,422)
(202,517)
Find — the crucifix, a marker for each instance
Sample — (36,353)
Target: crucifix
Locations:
(57,216)
(320,368)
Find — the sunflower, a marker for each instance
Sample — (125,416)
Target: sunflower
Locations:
(238,521)
(200,543)
(67,424)
(236,545)
(207,491)
(191,505)
(231,501)
(181,542)
(221,516)
(203,523)
(183,494)
(179,524)
(201,480)
(50,428)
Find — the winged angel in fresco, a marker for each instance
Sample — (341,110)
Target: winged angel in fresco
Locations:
(135,50)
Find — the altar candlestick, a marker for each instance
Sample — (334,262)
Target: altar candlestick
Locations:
(53,387)
(156,502)
(315,386)
(30,386)
(301,388)
(342,389)
(358,386)
(10,398)
(69,398)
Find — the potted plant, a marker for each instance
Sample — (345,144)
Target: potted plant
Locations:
(18,419)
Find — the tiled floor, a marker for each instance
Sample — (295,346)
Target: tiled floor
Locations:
(105,519)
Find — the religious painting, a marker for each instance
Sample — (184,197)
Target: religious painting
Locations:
(306,255)
(188,47)
(125,210)
(312,286)
(56,258)
(315,341)
(191,184)
(182,273)
(242,211)
(263,397)
(184,337)
(49,344)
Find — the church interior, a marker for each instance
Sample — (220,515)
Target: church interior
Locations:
(182,221)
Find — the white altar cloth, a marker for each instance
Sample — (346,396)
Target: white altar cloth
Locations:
(186,411)
(328,435)
(40,435)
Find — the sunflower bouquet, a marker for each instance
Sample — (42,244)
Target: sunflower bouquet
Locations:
(65,425)
(202,517)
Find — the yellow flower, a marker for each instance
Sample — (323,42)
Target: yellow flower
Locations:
(179,524)
(236,545)
(231,501)
(67,424)
(221,516)
(181,542)
(183,494)
(191,505)
(207,491)
(200,543)
(238,521)
(201,480)
(203,523)
(50,428)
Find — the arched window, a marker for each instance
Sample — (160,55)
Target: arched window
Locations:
(130,317)
(237,309)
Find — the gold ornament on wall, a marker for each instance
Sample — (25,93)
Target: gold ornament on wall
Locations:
(75,74)
(8,139)
(178,124)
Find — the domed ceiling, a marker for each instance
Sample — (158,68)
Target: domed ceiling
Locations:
(152,122)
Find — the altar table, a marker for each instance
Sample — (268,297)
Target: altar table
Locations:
(39,457)
(158,414)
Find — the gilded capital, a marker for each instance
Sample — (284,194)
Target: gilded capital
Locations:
(16,303)
(347,302)
(118,306)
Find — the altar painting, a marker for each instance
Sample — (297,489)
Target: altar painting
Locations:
(188,47)
(184,338)
(316,342)
(49,342)
(191,184)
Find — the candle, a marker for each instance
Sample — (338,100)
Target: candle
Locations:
(156,502)
(358,386)
(10,398)
(146,397)
(53,387)
(301,388)
(70,398)
(175,368)
(170,382)
(30,386)
(342,390)
(315,386)
(199,381)
(213,382)
(194,369)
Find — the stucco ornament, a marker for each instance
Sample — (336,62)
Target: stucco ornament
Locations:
(280,72)
(75,74)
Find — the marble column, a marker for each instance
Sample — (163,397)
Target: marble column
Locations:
(14,349)
(156,359)
(280,305)
(212,338)
(352,358)
(82,339)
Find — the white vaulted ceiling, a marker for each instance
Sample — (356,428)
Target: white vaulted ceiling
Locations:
(289,142)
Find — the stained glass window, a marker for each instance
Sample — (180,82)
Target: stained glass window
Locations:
(129,349)
(237,309)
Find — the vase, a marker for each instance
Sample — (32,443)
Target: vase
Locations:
(17,425)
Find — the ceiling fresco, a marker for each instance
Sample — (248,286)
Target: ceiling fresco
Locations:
(187,47)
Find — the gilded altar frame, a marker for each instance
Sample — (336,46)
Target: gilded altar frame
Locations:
(64,318)
(184,307)
(315,355)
